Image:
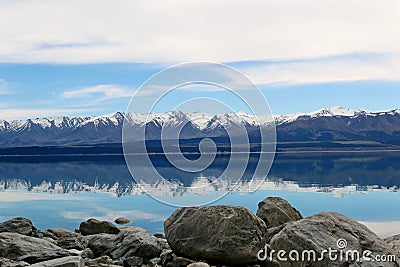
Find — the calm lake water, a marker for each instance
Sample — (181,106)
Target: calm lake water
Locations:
(62,191)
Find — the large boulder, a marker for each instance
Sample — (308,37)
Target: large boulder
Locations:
(131,241)
(93,226)
(14,246)
(18,225)
(221,234)
(275,211)
(324,231)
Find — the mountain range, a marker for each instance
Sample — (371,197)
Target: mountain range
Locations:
(324,127)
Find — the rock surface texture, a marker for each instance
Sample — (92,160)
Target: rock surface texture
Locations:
(14,245)
(131,241)
(275,211)
(222,234)
(69,240)
(394,242)
(18,225)
(330,230)
(71,261)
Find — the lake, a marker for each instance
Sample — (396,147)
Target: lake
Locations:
(62,191)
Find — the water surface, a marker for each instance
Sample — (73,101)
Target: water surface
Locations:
(62,191)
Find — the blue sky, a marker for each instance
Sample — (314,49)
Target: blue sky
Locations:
(37,90)
(74,58)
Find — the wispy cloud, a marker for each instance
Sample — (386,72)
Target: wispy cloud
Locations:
(342,68)
(354,67)
(100,92)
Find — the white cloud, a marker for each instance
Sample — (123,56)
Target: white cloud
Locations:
(152,31)
(336,69)
(101,92)
(352,67)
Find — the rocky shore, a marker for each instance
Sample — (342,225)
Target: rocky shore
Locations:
(277,235)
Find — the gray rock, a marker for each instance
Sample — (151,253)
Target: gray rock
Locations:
(73,241)
(69,240)
(133,261)
(87,253)
(275,211)
(163,242)
(93,226)
(51,240)
(14,245)
(122,220)
(71,261)
(223,234)
(321,232)
(271,232)
(39,233)
(154,262)
(18,225)
(167,256)
(11,263)
(131,241)
(394,241)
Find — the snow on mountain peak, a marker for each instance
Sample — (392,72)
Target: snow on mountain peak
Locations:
(324,112)
(200,119)
(335,111)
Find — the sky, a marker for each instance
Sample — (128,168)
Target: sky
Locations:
(90,57)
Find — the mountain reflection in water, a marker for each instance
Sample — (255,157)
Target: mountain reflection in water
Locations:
(326,172)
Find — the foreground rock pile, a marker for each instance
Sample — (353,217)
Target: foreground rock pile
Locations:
(196,237)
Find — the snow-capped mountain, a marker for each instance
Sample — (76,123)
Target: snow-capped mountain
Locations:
(324,112)
(326,124)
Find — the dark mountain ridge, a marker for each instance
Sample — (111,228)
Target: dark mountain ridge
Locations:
(326,128)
